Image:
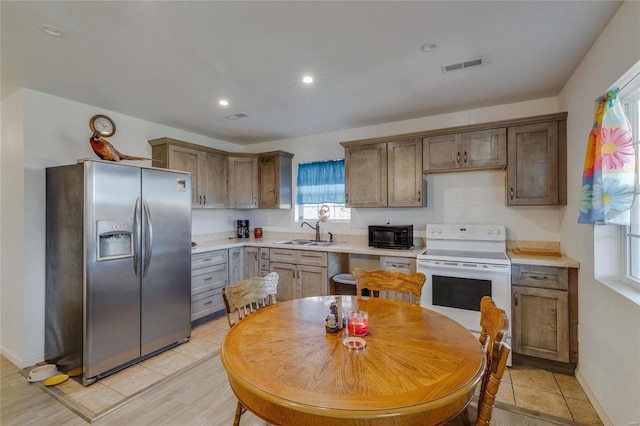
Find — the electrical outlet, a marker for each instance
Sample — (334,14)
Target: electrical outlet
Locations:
(268,220)
(388,221)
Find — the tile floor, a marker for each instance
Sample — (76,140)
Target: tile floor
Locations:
(102,395)
(533,389)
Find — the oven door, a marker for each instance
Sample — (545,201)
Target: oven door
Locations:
(455,289)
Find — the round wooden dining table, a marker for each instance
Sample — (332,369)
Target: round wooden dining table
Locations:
(418,367)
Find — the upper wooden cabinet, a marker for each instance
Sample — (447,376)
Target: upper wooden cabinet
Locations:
(222,179)
(208,168)
(243,182)
(537,164)
(365,173)
(405,184)
(384,174)
(274,183)
(470,150)
(533,150)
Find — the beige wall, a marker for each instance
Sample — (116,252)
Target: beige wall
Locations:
(609,323)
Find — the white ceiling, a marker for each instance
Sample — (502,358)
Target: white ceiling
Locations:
(170,62)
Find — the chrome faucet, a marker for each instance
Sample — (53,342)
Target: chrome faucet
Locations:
(316,228)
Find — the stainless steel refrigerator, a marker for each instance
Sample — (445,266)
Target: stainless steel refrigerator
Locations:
(118,265)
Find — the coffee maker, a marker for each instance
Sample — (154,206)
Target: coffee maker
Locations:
(243,228)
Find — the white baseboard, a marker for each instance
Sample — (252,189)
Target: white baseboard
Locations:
(15,360)
(593,400)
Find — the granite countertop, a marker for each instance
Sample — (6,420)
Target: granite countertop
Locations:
(516,251)
(341,247)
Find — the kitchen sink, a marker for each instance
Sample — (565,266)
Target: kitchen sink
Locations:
(308,243)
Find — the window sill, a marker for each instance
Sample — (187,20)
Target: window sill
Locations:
(623,289)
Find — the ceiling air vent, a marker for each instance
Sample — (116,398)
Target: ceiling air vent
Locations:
(465,64)
(236,116)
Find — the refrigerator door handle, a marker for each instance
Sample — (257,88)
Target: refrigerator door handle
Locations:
(136,239)
(148,238)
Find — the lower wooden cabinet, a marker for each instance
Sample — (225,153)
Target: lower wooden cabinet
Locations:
(304,273)
(544,315)
(236,264)
(256,261)
(209,273)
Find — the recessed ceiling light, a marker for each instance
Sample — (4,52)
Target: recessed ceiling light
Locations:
(51,30)
(307,79)
(223,102)
(429,47)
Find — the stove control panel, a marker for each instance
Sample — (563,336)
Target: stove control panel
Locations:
(478,232)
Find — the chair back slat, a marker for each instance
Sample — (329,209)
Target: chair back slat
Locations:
(494,376)
(392,285)
(494,325)
(247,296)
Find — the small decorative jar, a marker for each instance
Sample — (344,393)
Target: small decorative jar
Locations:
(358,323)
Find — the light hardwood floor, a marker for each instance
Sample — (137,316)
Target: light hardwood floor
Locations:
(202,396)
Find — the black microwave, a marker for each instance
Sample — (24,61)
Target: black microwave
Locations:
(390,236)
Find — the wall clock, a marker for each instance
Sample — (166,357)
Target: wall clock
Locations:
(102,124)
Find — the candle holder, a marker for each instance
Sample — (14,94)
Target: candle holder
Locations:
(358,323)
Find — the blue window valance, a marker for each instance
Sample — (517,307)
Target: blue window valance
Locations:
(321,182)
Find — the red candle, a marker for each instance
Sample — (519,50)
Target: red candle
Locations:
(358,323)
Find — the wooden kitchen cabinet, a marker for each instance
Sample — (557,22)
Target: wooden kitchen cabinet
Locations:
(304,273)
(544,310)
(209,273)
(481,149)
(406,265)
(365,172)
(275,180)
(406,186)
(536,172)
(208,168)
(243,182)
(236,264)
(385,174)
(256,261)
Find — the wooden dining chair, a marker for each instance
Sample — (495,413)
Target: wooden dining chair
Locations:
(242,299)
(495,325)
(392,285)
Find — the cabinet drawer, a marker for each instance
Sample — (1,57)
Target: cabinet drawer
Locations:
(209,278)
(540,276)
(206,303)
(402,264)
(282,255)
(210,258)
(313,258)
(264,253)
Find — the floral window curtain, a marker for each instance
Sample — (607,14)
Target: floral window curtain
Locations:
(608,179)
(321,182)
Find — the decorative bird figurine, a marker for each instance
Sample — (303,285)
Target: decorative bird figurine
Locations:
(106,151)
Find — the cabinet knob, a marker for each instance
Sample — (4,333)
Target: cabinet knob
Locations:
(204,199)
(419,196)
(511,193)
(516,301)
(465,157)
(458,158)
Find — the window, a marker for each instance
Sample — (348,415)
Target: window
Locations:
(630,98)
(321,184)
